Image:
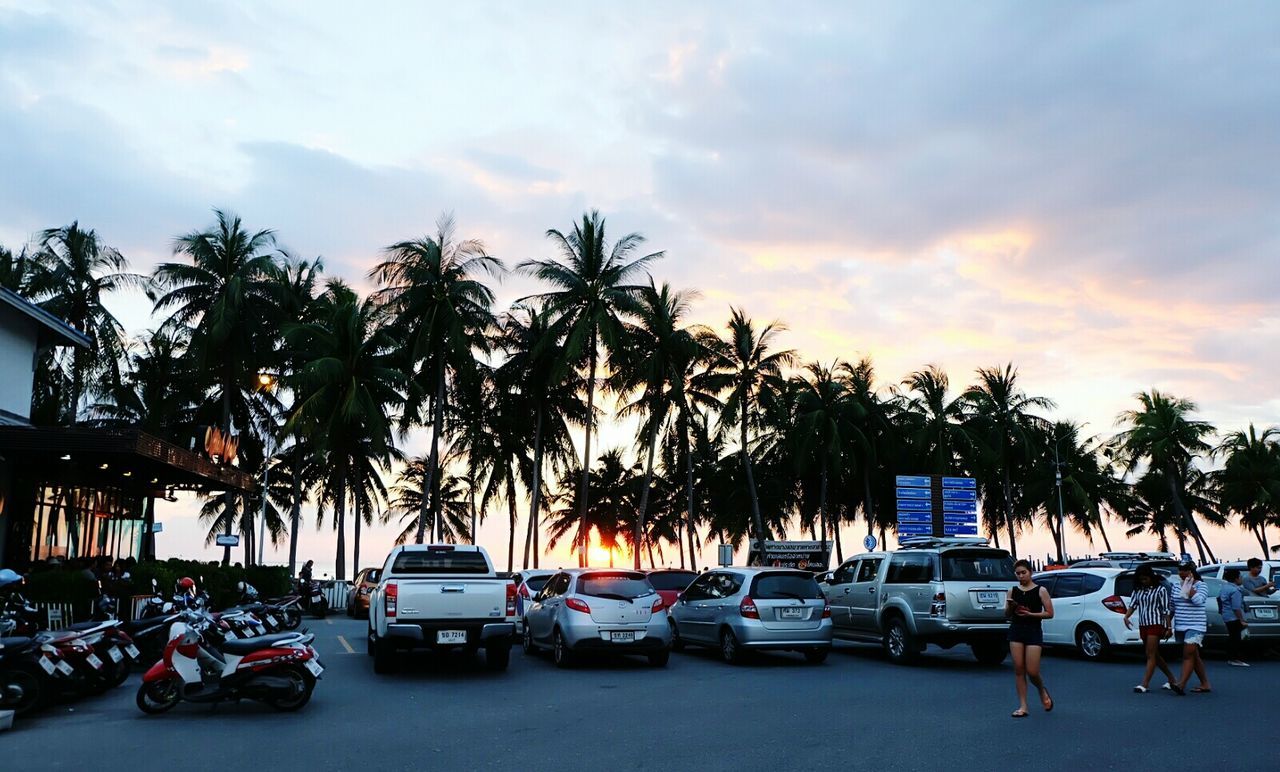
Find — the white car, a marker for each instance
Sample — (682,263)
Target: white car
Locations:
(1089,605)
(1270,569)
(528,582)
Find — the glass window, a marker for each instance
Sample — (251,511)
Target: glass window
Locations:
(671,580)
(845,573)
(1092,584)
(868,569)
(440,561)
(699,589)
(1048,582)
(1068,586)
(615,585)
(779,586)
(1124,584)
(724,585)
(910,568)
(535,583)
(977,566)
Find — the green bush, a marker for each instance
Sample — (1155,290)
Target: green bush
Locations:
(60,586)
(74,586)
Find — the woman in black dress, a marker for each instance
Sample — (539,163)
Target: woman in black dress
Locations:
(1025,606)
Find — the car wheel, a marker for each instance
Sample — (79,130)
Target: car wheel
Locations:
(990,652)
(898,644)
(730,651)
(526,642)
(1092,642)
(677,643)
(816,656)
(384,658)
(659,658)
(497,657)
(560,652)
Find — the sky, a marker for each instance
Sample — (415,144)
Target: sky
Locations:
(1087,190)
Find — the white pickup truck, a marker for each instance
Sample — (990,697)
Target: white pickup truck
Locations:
(441,596)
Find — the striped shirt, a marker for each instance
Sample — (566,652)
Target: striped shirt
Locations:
(1188,613)
(1152,605)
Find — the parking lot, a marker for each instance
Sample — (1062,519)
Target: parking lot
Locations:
(855,711)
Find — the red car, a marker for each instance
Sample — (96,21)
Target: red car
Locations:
(670,582)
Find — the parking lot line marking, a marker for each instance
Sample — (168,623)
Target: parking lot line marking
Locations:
(346,645)
(328,621)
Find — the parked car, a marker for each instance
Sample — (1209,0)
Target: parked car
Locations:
(361,587)
(528,582)
(944,591)
(598,610)
(1089,605)
(670,582)
(751,609)
(1270,569)
(1130,560)
(441,596)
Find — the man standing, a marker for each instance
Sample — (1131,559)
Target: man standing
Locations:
(1255,583)
(1231,605)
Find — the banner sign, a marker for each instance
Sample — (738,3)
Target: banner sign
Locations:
(804,555)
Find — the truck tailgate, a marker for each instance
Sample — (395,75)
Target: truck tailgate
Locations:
(443,598)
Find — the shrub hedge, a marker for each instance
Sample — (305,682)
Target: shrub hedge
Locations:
(67,585)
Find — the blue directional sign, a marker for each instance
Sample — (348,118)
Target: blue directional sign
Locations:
(915,529)
(959,494)
(967,507)
(958,517)
(960,482)
(956,529)
(916,505)
(915,493)
(915,517)
(912,481)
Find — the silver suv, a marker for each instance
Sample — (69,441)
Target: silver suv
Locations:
(940,591)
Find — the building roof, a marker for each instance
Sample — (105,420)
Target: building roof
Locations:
(52,329)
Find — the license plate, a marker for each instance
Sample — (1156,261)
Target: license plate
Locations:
(1264,613)
(622,637)
(132,650)
(64,668)
(451,636)
(93,661)
(47,665)
(261,630)
(314,667)
(988,598)
(792,613)
(115,654)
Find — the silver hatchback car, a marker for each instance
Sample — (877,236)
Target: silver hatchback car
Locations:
(598,610)
(739,609)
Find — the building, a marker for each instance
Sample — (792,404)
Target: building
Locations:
(79,491)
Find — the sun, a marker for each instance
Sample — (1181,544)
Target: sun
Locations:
(597,555)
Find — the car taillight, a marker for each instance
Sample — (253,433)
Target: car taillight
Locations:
(578,605)
(748,608)
(938,607)
(1114,603)
(524,591)
(511,600)
(391,595)
(658,605)
(826,609)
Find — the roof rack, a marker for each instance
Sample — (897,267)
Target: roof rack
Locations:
(933,542)
(1138,555)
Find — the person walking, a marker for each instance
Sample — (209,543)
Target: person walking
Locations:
(1152,602)
(1025,606)
(1231,606)
(1189,626)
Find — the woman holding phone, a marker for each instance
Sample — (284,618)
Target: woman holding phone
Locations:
(1025,606)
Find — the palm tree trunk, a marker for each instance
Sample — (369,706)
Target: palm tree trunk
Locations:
(1103,530)
(1262,541)
(1008,513)
(295,510)
(868,500)
(688,467)
(355,539)
(437,423)
(644,494)
(511,514)
(822,504)
(756,519)
(584,493)
(649,545)
(1187,517)
(839,547)
(537,485)
(226,428)
(340,511)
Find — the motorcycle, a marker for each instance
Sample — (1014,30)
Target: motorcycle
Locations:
(288,608)
(279,670)
(29,671)
(314,599)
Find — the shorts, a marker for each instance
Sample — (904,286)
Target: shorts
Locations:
(1028,636)
(1151,631)
(1193,637)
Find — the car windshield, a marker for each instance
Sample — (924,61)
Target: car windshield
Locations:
(671,580)
(619,585)
(781,586)
(977,566)
(535,583)
(439,561)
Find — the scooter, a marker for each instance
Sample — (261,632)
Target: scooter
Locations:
(29,672)
(279,670)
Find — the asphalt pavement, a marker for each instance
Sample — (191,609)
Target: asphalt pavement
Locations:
(856,711)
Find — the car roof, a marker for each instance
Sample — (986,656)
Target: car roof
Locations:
(670,570)
(755,570)
(1098,571)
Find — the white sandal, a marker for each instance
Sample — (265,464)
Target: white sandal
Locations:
(1140,689)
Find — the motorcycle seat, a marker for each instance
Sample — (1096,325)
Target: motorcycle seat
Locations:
(247,645)
(14,643)
(84,627)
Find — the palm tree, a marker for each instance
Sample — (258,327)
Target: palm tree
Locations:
(934,422)
(874,440)
(1248,484)
(1000,413)
(406,503)
(1163,434)
(443,316)
(826,428)
(70,276)
(652,362)
(743,365)
(614,505)
(1090,487)
(222,300)
(593,291)
(349,387)
(14,270)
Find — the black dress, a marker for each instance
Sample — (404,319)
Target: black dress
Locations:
(1026,630)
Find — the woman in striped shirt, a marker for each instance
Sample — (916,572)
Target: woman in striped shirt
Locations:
(1189,626)
(1153,603)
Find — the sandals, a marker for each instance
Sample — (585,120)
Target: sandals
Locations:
(1201,690)
(1048,707)
(1019,713)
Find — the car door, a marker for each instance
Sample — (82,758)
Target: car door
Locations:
(1068,608)
(692,613)
(864,595)
(541,613)
(837,592)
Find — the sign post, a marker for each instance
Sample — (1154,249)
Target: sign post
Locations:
(804,555)
(936,505)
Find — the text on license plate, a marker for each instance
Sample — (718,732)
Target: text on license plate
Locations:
(1264,613)
(792,613)
(133,650)
(622,637)
(988,597)
(451,636)
(314,667)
